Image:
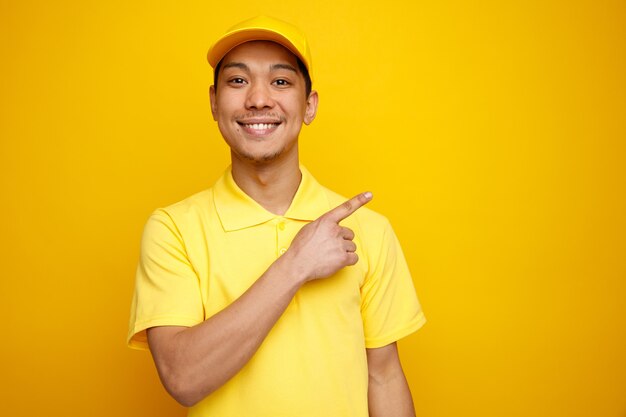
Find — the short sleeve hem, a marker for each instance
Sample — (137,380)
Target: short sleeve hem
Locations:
(411,327)
(138,339)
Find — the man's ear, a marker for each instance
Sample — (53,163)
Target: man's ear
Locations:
(213,102)
(311,107)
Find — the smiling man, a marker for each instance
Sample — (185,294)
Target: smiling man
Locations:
(268,294)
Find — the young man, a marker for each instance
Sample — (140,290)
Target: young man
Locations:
(268,294)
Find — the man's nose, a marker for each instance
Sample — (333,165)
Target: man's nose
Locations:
(259,97)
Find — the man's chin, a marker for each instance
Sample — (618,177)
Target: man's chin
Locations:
(261,158)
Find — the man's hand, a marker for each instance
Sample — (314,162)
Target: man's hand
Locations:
(323,247)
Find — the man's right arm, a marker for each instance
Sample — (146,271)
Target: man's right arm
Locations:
(195,361)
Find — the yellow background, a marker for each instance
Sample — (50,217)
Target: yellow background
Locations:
(492,134)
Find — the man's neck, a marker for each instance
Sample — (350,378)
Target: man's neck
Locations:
(272,185)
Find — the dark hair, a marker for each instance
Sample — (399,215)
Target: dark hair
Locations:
(305,73)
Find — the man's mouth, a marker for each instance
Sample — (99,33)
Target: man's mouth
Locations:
(259,128)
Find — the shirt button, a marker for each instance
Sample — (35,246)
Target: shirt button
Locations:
(282,250)
(281,226)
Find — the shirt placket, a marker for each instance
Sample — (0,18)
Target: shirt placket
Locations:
(282,240)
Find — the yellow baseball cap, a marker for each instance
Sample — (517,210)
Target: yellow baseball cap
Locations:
(262,28)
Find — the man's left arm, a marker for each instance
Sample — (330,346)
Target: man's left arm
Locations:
(388,391)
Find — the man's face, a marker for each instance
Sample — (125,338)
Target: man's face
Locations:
(260,102)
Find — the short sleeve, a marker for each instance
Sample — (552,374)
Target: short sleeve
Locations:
(389,305)
(167,290)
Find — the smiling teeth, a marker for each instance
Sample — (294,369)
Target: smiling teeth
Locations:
(261,126)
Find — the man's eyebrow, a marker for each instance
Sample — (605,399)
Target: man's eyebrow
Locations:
(239,65)
(283,66)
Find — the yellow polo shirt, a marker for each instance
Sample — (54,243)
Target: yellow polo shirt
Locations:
(199,255)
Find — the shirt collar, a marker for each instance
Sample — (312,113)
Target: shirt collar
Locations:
(237,210)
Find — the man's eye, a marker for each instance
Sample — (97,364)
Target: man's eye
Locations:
(281,82)
(237,81)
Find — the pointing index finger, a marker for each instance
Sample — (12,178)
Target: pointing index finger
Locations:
(346,209)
